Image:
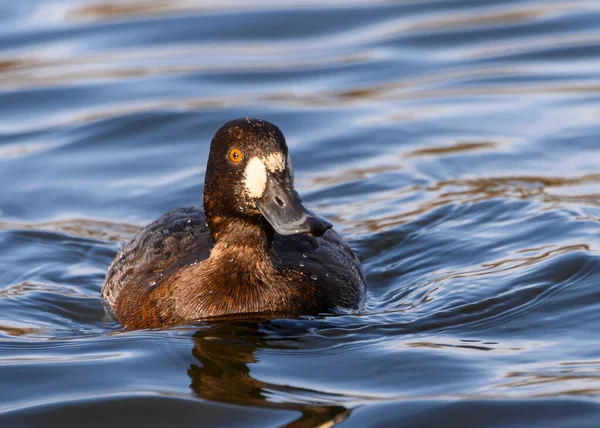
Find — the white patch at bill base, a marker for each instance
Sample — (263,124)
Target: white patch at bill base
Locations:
(255,177)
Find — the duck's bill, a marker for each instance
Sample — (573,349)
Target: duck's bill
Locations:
(284,210)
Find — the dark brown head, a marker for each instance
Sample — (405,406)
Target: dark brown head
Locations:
(249,176)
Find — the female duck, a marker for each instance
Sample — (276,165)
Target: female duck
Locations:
(254,250)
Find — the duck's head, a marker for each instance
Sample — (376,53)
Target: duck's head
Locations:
(249,176)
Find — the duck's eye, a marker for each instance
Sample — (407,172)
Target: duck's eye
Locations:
(235,155)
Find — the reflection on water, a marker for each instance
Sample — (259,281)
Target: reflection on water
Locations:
(454,144)
(85,228)
(455,148)
(569,377)
(467,191)
(222,374)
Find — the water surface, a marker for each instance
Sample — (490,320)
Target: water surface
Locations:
(455,144)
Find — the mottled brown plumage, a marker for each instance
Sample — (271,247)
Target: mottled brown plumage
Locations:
(192,265)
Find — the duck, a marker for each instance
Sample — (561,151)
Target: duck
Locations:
(254,250)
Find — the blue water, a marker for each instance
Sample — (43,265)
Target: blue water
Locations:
(454,144)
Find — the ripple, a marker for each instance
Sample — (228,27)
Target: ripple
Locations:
(576,378)
(464,191)
(107,10)
(455,148)
(85,228)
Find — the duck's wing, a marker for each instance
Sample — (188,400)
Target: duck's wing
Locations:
(176,238)
(330,260)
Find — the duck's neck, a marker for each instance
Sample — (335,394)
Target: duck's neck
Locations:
(236,237)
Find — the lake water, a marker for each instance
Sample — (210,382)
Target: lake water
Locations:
(455,145)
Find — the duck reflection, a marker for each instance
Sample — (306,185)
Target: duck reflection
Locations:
(224,352)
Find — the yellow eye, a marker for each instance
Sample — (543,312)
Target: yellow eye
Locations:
(235,155)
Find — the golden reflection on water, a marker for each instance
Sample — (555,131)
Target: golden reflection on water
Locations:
(110,10)
(454,148)
(569,377)
(356,173)
(419,89)
(27,287)
(9,64)
(395,91)
(352,174)
(467,346)
(438,283)
(85,228)
(22,149)
(31,72)
(8,330)
(458,191)
(504,265)
(462,20)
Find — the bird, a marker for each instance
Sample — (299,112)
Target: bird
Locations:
(253,250)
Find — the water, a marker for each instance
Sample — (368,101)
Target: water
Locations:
(455,145)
